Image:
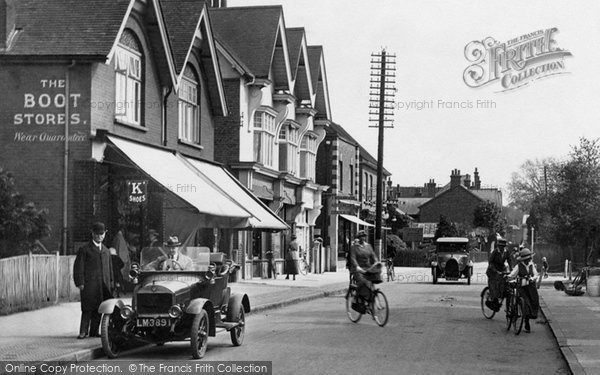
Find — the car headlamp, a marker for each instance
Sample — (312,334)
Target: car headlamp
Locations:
(175,311)
(126,312)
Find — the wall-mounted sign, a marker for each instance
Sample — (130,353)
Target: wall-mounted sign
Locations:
(137,191)
(412,234)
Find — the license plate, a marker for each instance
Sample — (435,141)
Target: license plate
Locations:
(153,322)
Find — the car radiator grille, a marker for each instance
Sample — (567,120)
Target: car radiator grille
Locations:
(155,303)
(452,269)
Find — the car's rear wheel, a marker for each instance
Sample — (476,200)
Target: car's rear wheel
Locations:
(110,328)
(199,334)
(237,333)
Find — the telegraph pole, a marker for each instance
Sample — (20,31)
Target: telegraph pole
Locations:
(381,111)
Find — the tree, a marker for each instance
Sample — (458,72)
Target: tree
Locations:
(575,204)
(21,223)
(487,215)
(533,181)
(445,228)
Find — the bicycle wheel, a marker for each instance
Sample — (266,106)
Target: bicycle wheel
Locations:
(303,267)
(519,316)
(485,296)
(351,298)
(379,308)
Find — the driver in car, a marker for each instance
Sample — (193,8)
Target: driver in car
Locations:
(174,261)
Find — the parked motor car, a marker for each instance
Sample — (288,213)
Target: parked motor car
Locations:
(176,305)
(452,260)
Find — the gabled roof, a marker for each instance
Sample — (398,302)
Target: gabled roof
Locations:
(186,21)
(181,18)
(451,189)
(491,195)
(411,205)
(295,36)
(369,159)
(341,133)
(299,63)
(67,27)
(316,59)
(251,32)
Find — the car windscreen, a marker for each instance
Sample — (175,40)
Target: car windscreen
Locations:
(451,247)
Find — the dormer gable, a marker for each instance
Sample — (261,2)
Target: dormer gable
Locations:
(319,82)
(301,72)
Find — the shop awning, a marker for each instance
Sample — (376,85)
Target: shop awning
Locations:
(176,176)
(262,216)
(356,220)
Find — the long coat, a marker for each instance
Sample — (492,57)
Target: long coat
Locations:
(93,270)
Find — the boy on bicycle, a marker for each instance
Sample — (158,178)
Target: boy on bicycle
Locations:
(526,269)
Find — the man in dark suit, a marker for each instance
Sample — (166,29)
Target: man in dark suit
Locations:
(93,275)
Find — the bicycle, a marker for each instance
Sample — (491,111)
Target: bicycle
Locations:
(389,265)
(303,265)
(376,305)
(515,305)
(485,297)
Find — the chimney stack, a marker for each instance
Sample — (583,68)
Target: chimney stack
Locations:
(430,188)
(477,184)
(468,181)
(455,178)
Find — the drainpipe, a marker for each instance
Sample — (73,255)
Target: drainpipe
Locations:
(166,92)
(66,159)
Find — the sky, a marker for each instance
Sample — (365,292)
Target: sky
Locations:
(441,123)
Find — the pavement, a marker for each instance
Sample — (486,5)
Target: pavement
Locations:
(48,334)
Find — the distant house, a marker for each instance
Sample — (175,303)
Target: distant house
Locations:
(457,201)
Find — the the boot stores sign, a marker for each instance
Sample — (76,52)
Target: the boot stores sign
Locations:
(515,63)
(40,105)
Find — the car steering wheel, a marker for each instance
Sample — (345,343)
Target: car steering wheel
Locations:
(170,266)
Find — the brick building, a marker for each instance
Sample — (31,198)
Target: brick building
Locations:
(457,200)
(111,113)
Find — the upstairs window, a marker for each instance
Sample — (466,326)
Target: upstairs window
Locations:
(308,157)
(189,109)
(128,79)
(288,148)
(264,138)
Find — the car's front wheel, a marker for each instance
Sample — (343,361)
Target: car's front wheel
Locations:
(199,334)
(237,333)
(110,327)
(435,276)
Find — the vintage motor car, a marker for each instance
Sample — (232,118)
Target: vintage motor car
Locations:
(452,260)
(176,305)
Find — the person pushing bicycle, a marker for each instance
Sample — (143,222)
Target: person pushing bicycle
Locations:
(526,270)
(362,258)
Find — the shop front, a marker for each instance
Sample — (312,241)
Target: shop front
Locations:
(149,193)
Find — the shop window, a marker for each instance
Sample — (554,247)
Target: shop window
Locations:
(189,109)
(128,64)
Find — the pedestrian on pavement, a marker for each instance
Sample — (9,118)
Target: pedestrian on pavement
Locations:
(544,267)
(526,269)
(271,270)
(291,258)
(117,266)
(495,273)
(362,258)
(93,275)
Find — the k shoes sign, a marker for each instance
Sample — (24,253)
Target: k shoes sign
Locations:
(137,191)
